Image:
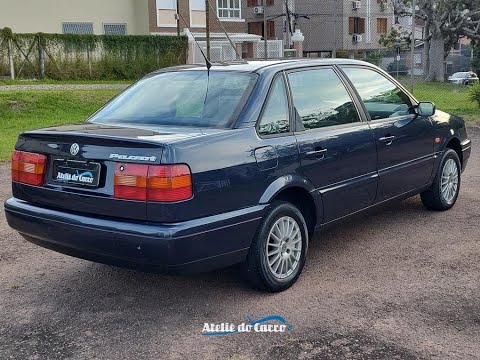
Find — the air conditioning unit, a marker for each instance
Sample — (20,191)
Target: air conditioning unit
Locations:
(357,38)
(356,5)
(258,10)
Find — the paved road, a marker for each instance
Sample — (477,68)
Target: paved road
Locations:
(4,88)
(402,283)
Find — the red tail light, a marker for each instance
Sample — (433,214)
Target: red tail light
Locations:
(160,183)
(28,168)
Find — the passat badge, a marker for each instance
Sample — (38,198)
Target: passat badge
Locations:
(74,149)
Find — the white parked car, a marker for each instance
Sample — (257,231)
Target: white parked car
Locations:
(464,78)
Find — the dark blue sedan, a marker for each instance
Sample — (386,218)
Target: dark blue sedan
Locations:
(193,170)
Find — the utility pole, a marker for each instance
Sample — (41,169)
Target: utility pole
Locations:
(414,31)
(334,51)
(265,41)
(178,18)
(207,24)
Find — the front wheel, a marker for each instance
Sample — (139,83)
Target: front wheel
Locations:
(278,251)
(444,191)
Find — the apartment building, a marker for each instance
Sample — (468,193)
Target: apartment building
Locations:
(327,25)
(226,13)
(110,17)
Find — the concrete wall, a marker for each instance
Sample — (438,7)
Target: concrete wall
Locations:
(31,16)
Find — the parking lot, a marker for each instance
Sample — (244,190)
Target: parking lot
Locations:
(402,283)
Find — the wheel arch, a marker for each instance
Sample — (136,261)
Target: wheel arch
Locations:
(455,144)
(299,192)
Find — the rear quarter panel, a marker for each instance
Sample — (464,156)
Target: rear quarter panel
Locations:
(225,172)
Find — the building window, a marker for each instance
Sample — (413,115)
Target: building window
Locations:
(115,29)
(253,3)
(166,11)
(78,28)
(229,9)
(256,28)
(382,25)
(356,25)
(198,13)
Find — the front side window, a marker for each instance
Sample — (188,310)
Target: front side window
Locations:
(275,119)
(321,99)
(383,99)
(228,9)
(189,98)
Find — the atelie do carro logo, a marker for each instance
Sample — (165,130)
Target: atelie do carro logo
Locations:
(74,149)
(268,324)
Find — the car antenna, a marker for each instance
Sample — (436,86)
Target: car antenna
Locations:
(237,55)
(207,60)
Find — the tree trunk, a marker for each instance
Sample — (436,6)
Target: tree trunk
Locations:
(10,59)
(426,50)
(436,68)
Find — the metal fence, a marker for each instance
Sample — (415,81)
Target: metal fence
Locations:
(267,29)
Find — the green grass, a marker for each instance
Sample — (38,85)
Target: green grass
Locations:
(449,98)
(63,82)
(27,110)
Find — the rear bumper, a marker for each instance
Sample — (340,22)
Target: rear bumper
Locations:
(192,246)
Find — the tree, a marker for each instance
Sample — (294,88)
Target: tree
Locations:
(396,38)
(476,58)
(446,21)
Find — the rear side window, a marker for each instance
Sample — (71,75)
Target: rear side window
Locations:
(184,98)
(275,119)
(321,99)
(382,98)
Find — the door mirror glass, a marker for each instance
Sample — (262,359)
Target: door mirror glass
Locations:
(426,109)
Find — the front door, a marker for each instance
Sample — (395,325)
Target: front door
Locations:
(336,147)
(405,141)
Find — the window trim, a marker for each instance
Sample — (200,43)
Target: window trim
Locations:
(78,23)
(190,10)
(388,77)
(232,19)
(116,24)
(157,12)
(264,105)
(353,95)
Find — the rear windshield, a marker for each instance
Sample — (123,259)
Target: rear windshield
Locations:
(189,98)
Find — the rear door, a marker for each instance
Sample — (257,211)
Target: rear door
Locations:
(405,141)
(336,147)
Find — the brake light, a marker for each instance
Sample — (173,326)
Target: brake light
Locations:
(28,168)
(159,183)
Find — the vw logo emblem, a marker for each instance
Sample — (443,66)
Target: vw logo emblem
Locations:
(74,149)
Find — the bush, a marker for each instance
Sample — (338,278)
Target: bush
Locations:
(99,57)
(374,57)
(342,54)
(474,94)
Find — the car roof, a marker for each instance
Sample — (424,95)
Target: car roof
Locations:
(256,66)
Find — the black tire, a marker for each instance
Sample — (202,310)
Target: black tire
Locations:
(433,198)
(258,271)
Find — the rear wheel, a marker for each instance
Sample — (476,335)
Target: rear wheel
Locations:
(278,252)
(443,193)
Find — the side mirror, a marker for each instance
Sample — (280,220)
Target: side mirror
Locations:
(426,109)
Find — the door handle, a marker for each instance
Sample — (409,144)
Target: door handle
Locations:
(318,153)
(388,140)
